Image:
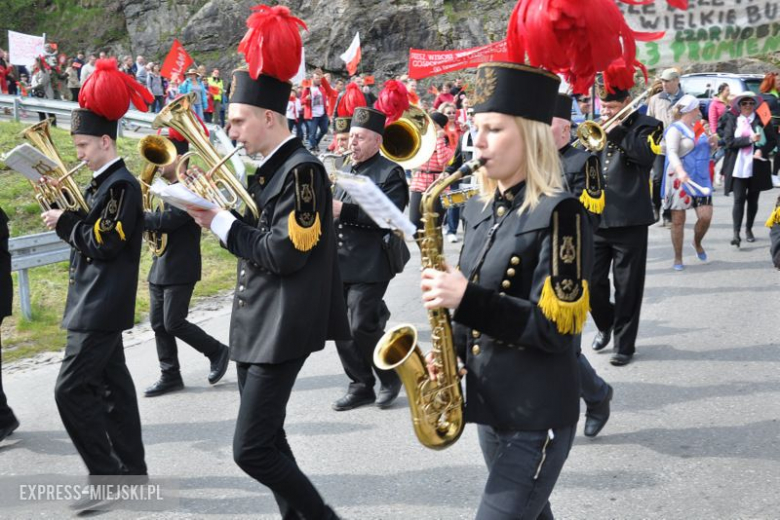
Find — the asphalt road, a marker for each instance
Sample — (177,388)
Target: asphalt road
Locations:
(694,432)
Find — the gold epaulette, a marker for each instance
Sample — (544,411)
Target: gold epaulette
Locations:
(592,197)
(303,224)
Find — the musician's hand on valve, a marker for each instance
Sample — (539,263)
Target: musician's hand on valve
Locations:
(443,288)
(194,171)
(203,217)
(337,205)
(433,370)
(51,217)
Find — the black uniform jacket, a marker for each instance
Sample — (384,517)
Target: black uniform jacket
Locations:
(106,253)
(626,162)
(180,263)
(287,302)
(762,170)
(574,161)
(362,257)
(522,372)
(6,283)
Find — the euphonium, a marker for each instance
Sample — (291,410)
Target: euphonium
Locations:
(63,193)
(219,184)
(436,405)
(157,151)
(411,140)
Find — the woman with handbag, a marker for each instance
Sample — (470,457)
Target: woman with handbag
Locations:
(746,164)
(40,87)
(687,183)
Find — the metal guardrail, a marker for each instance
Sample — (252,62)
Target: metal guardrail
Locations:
(34,251)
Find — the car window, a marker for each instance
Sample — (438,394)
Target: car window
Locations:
(753,84)
(697,86)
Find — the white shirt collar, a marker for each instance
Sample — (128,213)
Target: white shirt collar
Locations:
(105,167)
(265,158)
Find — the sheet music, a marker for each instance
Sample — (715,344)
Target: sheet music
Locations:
(179,195)
(29,161)
(371,199)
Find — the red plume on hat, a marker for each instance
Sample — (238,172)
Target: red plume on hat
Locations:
(572,37)
(393,101)
(109,92)
(272,46)
(621,76)
(353,98)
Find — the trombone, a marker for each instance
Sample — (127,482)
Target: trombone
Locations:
(593,136)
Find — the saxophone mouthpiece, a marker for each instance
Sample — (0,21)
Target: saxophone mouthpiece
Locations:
(470,167)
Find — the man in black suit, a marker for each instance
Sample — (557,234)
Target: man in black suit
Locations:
(95,393)
(8,421)
(288,299)
(365,267)
(621,239)
(172,280)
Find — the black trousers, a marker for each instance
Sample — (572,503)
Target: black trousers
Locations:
(6,414)
(260,446)
(168,309)
(368,316)
(415,213)
(658,175)
(624,250)
(97,403)
(743,192)
(523,469)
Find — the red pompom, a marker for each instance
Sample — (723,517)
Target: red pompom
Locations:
(572,37)
(109,92)
(393,101)
(353,98)
(272,46)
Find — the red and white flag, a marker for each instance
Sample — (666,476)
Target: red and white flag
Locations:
(176,62)
(352,55)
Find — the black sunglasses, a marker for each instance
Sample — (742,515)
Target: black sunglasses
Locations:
(746,103)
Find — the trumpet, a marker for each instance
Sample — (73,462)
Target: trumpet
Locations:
(593,136)
(157,151)
(219,184)
(57,189)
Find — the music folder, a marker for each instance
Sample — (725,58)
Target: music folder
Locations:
(29,161)
(179,195)
(375,203)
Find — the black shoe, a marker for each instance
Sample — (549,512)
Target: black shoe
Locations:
(602,339)
(597,416)
(620,360)
(736,240)
(164,385)
(8,429)
(749,235)
(219,365)
(351,401)
(388,395)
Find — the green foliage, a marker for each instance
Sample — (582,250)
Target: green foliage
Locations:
(49,284)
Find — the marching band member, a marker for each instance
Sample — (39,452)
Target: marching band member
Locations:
(366,264)
(288,298)
(8,421)
(519,294)
(582,178)
(95,393)
(621,239)
(172,280)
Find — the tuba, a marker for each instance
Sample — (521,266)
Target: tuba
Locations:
(219,185)
(58,189)
(436,405)
(157,151)
(411,140)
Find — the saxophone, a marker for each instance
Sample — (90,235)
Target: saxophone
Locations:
(436,405)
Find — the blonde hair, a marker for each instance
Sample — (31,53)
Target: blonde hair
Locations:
(541,164)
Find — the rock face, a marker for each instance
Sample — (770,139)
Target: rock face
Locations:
(211,30)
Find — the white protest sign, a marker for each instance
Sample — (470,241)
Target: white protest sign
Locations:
(24,48)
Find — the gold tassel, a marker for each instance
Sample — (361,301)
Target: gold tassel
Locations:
(774,218)
(303,238)
(655,147)
(593,205)
(569,317)
(120,231)
(98,236)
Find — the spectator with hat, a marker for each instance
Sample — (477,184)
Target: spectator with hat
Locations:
(195,85)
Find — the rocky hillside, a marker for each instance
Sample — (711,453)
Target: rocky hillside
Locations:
(211,29)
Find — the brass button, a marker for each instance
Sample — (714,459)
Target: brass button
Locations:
(341,236)
(240,288)
(243,272)
(506,284)
(515,260)
(240,303)
(341,244)
(510,272)
(341,226)
(502,293)
(501,210)
(475,333)
(476,350)
(72,281)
